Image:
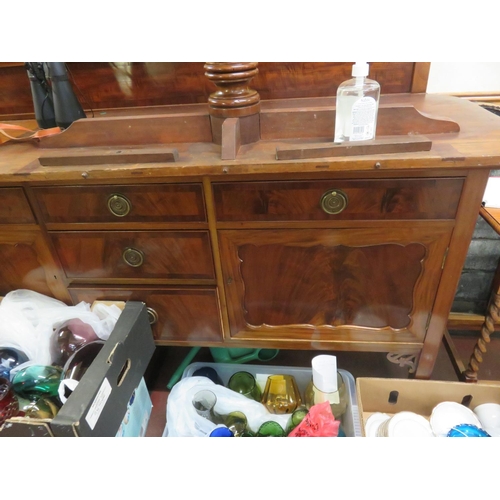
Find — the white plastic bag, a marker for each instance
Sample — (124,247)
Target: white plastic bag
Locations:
(28,321)
(184,421)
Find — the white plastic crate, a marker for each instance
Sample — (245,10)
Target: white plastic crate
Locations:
(350,420)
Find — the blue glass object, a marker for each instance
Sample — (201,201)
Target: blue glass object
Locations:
(221,432)
(10,358)
(467,430)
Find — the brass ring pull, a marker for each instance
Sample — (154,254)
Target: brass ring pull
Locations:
(334,201)
(133,257)
(119,205)
(152,315)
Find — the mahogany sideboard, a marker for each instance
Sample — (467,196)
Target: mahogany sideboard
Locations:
(358,251)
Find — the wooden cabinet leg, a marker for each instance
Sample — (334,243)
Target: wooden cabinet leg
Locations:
(492,316)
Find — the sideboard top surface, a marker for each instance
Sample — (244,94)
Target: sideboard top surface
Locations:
(476,145)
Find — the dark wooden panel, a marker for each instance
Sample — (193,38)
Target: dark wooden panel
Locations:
(405,144)
(184,314)
(348,285)
(166,254)
(331,286)
(370,200)
(318,79)
(148,203)
(108,156)
(319,124)
(14,207)
(100,85)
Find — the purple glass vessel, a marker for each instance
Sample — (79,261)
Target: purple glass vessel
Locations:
(70,337)
(80,361)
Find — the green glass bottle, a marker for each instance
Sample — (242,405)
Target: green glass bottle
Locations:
(296,418)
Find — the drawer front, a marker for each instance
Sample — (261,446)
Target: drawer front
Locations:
(137,203)
(14,207)
(175,313)
(135,254)
(377,199)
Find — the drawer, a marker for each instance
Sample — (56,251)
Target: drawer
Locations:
(135,254)
(136,203)
(14,207)
(175,313)
(373,199)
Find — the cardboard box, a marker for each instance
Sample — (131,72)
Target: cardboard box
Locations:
(136,419)
(419,396)
(98,404)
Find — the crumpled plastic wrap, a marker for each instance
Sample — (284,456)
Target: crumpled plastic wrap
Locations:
(184,421)
(319,422)
(29,319)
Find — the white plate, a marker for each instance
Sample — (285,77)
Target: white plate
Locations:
(448,414)
(373,422)
(408,424)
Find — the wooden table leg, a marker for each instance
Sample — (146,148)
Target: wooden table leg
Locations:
(492,316)
(454,356)
(492,217)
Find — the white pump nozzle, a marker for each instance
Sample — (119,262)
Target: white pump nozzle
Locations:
(360,69)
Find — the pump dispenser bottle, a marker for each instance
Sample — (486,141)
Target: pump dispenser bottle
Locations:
(357,106)
(326,385)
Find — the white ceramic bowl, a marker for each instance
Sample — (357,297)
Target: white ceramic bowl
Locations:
(489,416)
(449,414)
(408,425)
(373,422)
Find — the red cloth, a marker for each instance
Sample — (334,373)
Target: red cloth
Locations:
(319,422)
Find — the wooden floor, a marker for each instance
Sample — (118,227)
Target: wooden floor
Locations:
(167,359)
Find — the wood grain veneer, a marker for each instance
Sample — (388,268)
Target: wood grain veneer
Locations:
(166,254)
(367,199)
(184,314)
(160,203)
(261,265)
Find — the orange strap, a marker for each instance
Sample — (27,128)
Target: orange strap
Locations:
(34,135)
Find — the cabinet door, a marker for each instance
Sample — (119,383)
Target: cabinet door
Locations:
(28,264)
(348,286)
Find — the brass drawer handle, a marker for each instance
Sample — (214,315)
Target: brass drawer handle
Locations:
(152,315)
(133,257)
(119,205)
(334,201)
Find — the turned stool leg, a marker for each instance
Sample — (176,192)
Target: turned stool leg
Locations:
(492,317)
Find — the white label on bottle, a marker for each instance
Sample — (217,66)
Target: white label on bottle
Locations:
(98,404)
(320,397)
(363,119)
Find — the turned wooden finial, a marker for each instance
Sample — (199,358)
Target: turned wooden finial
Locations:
(233,97)
(234,107)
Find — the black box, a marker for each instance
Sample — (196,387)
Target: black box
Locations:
(98,404)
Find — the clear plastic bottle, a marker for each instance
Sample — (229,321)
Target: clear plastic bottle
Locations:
(357,107)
